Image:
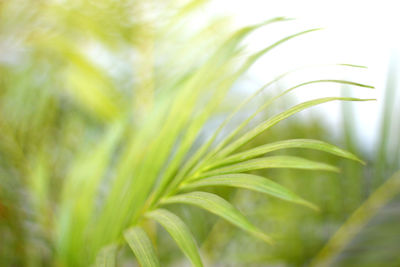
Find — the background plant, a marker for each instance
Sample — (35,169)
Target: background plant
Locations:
(367,237)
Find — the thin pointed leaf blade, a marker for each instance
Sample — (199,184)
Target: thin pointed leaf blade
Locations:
(294,143)
(251,182)
(259,54)
(272,162)
(179,232)
(220,207)
(141,246)
(233,42)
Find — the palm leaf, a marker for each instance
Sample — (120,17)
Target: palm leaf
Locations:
(220,207)
(179,232)
(294,143)
(141,246)
(251,182)
(271,162)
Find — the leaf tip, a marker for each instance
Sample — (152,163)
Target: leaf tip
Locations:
(311,206)
(353,65)
(267,239)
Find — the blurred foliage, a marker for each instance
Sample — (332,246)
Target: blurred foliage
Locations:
(110,110)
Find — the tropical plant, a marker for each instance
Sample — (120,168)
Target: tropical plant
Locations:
(93,152)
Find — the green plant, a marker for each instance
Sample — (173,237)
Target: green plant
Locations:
(99,162)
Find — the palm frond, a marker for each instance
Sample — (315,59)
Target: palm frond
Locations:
(103,148)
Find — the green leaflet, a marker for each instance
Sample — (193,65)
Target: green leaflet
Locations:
(272,162)
(220,207)
(231,44)
(251,182)
(281,116)
(141,246)
(294,143)
(250,61)
(107,256)
(179,232)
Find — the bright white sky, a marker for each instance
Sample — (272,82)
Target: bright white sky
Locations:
(356,32)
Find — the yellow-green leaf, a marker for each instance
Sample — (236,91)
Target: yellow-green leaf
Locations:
(272,162)
(219,206)
(179,232)
(141,246)
(294,143)
(251,182)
